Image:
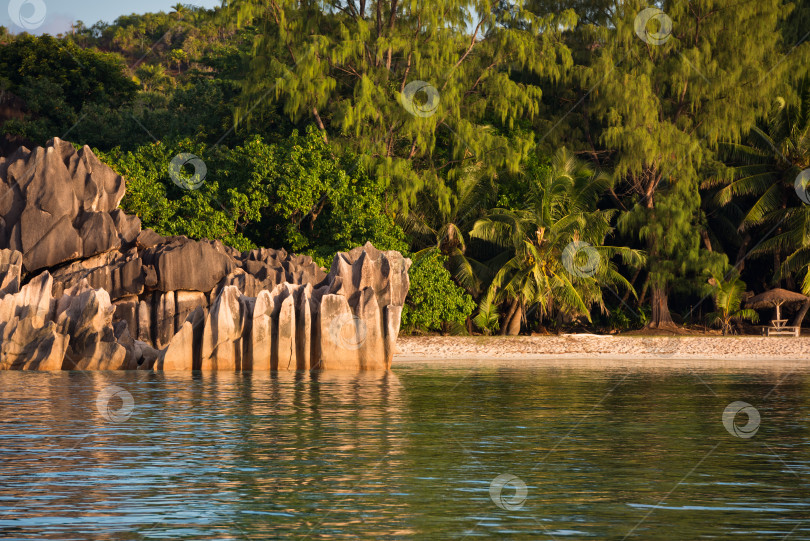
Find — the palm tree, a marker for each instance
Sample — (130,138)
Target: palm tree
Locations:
(179,8)
(153,76)
(178,56)
(445,230)
(552,256)
(728,294)
(762,171)
(487,318)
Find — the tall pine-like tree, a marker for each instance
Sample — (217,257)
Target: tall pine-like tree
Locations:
(349,67)
(663,94)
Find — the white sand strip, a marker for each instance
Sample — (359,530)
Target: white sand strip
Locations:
(615,351)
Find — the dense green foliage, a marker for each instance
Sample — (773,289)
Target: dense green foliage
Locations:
(348,68)
(555,243)
(59,82)
(560,162)
(728,294)
(434,302)
(292,194)
(759,182)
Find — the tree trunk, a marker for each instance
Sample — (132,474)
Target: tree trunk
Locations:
(661,317)
(776,265)
(507,318)
(797,320)
(319,122)
(644,289)
(515,322)
(706,240)
(511,323)
(741,253)
(633,284)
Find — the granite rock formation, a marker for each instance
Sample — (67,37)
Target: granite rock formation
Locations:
(83,286)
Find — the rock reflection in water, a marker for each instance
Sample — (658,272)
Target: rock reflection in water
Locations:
(196,451)
(415,453)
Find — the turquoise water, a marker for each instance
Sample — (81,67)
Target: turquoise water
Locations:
(450,453)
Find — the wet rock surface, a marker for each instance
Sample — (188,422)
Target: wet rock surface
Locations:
(82,286)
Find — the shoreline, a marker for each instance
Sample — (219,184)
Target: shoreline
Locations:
(699,352)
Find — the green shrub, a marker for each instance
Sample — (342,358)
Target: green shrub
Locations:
(619,319)
(434,302)
(56,79)
(296,194)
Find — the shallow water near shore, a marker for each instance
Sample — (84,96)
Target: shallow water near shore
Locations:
(451,452)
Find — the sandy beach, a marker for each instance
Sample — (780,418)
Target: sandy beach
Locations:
(692,351)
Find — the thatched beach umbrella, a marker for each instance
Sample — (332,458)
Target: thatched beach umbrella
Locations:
(775,297)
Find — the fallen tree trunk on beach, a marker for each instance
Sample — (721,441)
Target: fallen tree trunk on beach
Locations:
(82,286)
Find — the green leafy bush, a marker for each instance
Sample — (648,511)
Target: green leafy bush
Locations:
(434,301)
(56,79)
(619,319)
(295,194)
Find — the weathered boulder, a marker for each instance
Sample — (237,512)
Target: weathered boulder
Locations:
(120,274)
(265,269)
(34,301)
(357,276)
(55,203)
(98,233)
(182,263)
(83,286)
(28,347)
(183,352)
(148,238)
(281,267)
(30,337)
(248,283)
(128,227)
(138,353)
(74,332)
(10,271)
(224,336)
(339,326)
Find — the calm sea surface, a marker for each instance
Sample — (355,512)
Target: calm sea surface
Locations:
(460,452)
